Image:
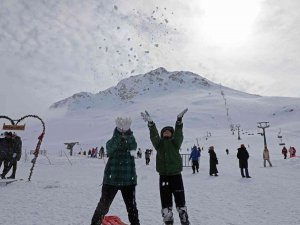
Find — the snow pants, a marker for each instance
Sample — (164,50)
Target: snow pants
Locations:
(11,164)
(108,194)
(195,165)
(172,186)
(246,171)
(270,164)
(147,161)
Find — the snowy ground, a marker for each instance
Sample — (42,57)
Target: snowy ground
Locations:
(61,193)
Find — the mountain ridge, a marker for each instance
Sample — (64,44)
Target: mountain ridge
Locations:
(154,83)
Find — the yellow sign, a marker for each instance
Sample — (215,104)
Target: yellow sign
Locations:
(13,127)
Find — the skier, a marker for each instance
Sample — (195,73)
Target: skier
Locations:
(195,155)
(266,156)
(227,151)
(119,173)
(243,157)
(169,167)
(284,152)
(213,161)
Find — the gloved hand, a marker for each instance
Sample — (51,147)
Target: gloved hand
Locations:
(14,155)
(180,115)
(146,117)
(123,124)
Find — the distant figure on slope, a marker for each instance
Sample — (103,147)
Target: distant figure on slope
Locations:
(9,146)
(284,152)
(101,152)
(119,173)
(16,156)
(147,156)
(227,151)
(139,153)
(195,155)
(213,161)
(5,149)
(243,157)
(169,167)
(292,152)
(266,156)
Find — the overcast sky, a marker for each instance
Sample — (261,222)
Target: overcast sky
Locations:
(50,50)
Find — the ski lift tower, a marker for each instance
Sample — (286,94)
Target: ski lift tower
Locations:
(238,129)
(70,146)
(263,126)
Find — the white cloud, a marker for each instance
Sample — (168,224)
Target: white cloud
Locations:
(51,50)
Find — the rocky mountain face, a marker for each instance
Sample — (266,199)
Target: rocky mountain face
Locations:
(158,82)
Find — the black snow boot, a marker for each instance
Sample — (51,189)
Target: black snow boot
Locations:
(184,219)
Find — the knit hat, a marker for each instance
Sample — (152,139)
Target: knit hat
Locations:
(169,128)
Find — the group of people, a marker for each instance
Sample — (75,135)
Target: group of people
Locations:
(94,153)
(147,155)
(242,155)
(10,154)
(120,171)
(292,151)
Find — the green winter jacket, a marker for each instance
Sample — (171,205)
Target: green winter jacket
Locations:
(168,159)
(120,167)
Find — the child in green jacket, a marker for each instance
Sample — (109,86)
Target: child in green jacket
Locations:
(169,167)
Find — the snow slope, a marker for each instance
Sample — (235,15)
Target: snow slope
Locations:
(67,194)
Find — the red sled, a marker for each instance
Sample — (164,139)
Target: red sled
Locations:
(112,220)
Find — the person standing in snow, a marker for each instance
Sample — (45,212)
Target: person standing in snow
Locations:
(194,156)
(101,152)
(139,153)
(266,156)
(169,167)
(243,157)
(213,161)
(16,156)
(147,156)
(119,173)
(284,152)
(11,153)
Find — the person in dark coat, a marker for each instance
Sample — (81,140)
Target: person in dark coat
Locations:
(243,157)
(10,154)
(17,152)
(4,152)
(284,152)
(147,156)
(119,173)
(194,156)
(213,161)
(169,167)
(101,152)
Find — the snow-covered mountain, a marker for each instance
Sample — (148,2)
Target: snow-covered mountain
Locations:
(156,83)
(212,107)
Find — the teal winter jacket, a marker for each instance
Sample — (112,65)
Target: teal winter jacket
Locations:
(120,167)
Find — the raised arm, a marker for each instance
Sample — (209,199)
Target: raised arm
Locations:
(154,136)
(178,134)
